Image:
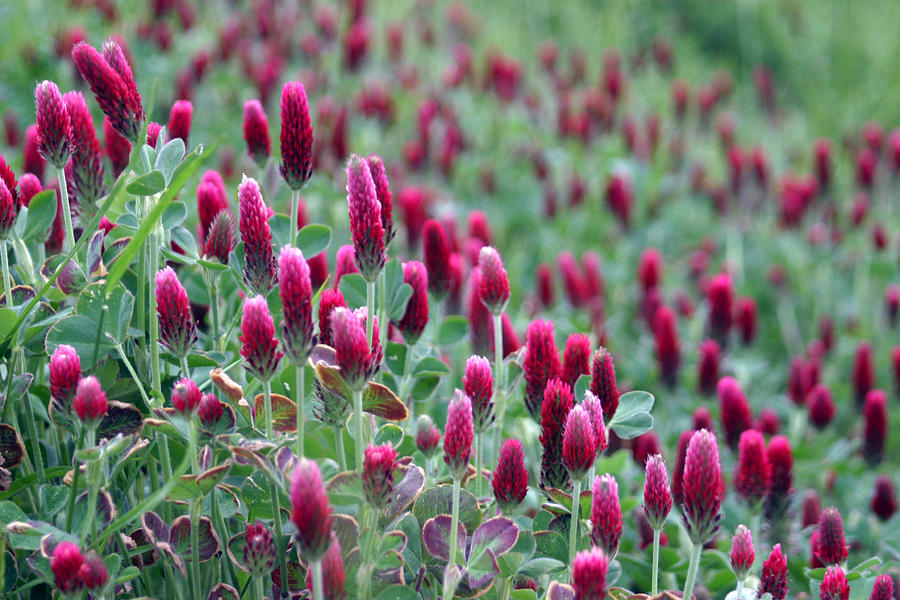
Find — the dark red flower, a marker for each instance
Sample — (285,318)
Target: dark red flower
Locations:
(603,382)
(9,178)
(89,402)
(427,436)
(365,219)
(702,486)
(66,564)
(310,510)
(383,192)
(541,365)
(781,460)
(177,330)
(118,148)
(493,285)
(734,410)
(415,318)
(753,475)
(212,198)
(768,421)
(875,426)
(589,574)
(510,481)
(259,258)
(649,270)
(668,352)
(186,396)
(883,589)
(32,161)
(65,373)
(578,448)
(657,496)
(93,574)
(210,410)
(180,120)
(576,358)
(557,403)
(221,237)
(644,446)
(84,172)
(258,344)
(458,434)
(708,366)
(378,474)
(822,160)
(820,406)
(296,135)
(478,384)
(54,125)
(256,132)
(742,554)
(884,498)
(354,355)
(606,514)
(330,299)
(296,299)
(7,211)
(774,575)
(620,197)
(831,547)
(863,373)
(153,129)
(595,410)
(345,262)
(834,585)
(334,578)
(799,384)
(702,419)
(812,509)
(112,82)
(436,255)
(745,318)
(259,549)
(720,295)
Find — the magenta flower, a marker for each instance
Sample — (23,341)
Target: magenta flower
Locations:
(734,410)
(354,355)
(541,365)
(884,587)
(558,401)
(118,148)
(334,578)
(85,170)
(774,575)
(742,554)
(832,546)
(668,351)
(603,382)
(366,226)
(383,192)
(259,259)
(221,237)
(884,498)
(427,436)
(259,346)
(478,384)
(875,426)
(458,434)
(578,442)
(702,486)
(415,318)
(595,411)
(55,140)
(510,481)
(753,477)
(310,511)
(296,135)
(657,497)
(259,549)
(180,120)
(606,514)
(493,285)
(576,358)
(177,330)
(330,299)
(834,585)
(436,256)
(212,198)
(186,397)
(65,373)
(210,410)
(378,474)
(296,299)
(589,574)
(90,401)
(7,210)
(66,564)
(256,132)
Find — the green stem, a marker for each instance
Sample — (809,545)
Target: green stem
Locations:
(654,577)
(370,310)
(454,525)
(185,368)
(267,395)
(259,588)
(479,454)
(358,426)
(92,482)
(141,309)
(35,439)
(300,378)
(692,570)
(223,529)
(740,589)
(382,307)
(73,489)
(318,591)
(573,524)
(295,212)
(134,375)
(196,510)
(165,462)
(505,588)
(342,455)
(194,436)
(67,213)
(499,403)
(153,249)
(7,289)
(279,536)
(211,285)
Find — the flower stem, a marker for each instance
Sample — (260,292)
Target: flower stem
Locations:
(7,289)
(67,213)
(479,454)
(454,525)
(196,510)
(223,528)
(654,576)
(358,426)
(342,455)
(740,589)
(318,591)
(499,403)
(259,588)
(92,482)
(573,524)
(295,212)
(267,396)
(370,311)
(692,570)
(134,376)
(279,536)
(35,439)
(301,382)
(73,489)
(184,367)
(382,307)
(153,249)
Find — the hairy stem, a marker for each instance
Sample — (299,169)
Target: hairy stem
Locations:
(7,289)
(196,510)
(358,426)
(300,379)
(454,525)
(67,213)
(279,537)
(153,249)
(654,575)
(295,213)
(35,439)
(267,396)
(573,524)
(318,590)
(342,455)
(692,570)
(499,403)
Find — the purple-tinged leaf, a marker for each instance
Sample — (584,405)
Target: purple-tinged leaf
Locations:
(482,571)
(560,591)
(324,354)
(436,535)
(409,482)
(223,591)
(284,412)
(180,538)
(380,401)
(498,535)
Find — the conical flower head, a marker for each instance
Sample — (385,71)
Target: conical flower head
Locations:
(510,481)
(678,471)
(378,474)
(7,211)
(8,177)
(576,358)
(383,192)
(436,256)
(541,364)
(720,296)
(734,410)
(427,436)
(754,473)
(493,285)
(212,198)
(708,366)
(297,328)
(458,435)
(153,131)
(256,132)
(774,575)
(177,330)
(54,125)
(667,347)
(354,356)
(863,372)
(558,401)
(883,588)
(330,299)
(310,511)
(296,135)
(85,170)
(592,405)
(221,237)
(186,396)
(259,258)
(366,227)
(820,406)
(603,382)
(781,461)
(334,577)
(113,85)
(259,549)
(742,554)
(210,410)
(66,564)
(578,443)
(90,401)
(415,317)
(93,573)
(606,514)
(884,498)
(832,546)
(589,574)
(258,344)
(478,384)
(65,373)
(180,120)
(657,497)
(875,426)
(834,585)
(117,147)
(702,487)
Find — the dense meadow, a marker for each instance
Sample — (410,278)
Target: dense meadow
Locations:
(432,299)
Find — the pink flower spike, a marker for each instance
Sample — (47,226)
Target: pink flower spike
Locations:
(493,285)
(259,258)
(578,443)
(65,373)
(177,330)
(186,397)
(742,554)
(366,226)
(296,299)
(296,135)
(310,510)
(256,132)
(606,514)
(54,125)
(458,435)
(657,496)
(478,384)
(589,574)
(258,344)
(510,481)
(90,401)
